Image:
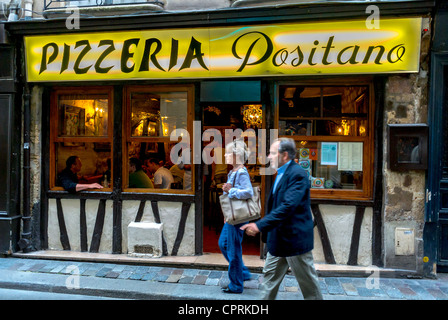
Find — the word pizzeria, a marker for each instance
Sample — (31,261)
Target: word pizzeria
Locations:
(153,46)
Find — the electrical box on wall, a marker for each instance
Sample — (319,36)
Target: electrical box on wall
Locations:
(404,241)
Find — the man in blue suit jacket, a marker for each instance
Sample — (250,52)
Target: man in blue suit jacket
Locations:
(288,225)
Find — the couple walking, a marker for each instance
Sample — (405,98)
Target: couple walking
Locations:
(287,227)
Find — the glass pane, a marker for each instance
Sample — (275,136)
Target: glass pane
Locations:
(95,160)
(83,115)
(408,150)
(444,133)
(5,146)
(158,114)
(150,167)
(443,241)
(327,169)
(323,111)
(443,199)
(334,127)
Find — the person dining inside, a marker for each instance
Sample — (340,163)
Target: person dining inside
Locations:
(69,180)
(137,177)
(162,176)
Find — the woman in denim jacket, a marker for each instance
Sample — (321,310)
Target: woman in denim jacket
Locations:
(238,186)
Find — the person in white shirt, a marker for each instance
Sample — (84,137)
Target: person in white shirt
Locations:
(162,176)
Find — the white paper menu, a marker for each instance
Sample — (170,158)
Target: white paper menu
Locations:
(350,156)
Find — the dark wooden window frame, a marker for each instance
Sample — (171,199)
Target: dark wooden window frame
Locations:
(54,125)
(128,90)
(366,194)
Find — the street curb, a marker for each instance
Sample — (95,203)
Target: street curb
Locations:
(323,270)
(123,289)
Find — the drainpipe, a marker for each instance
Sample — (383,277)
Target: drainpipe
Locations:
(25,238)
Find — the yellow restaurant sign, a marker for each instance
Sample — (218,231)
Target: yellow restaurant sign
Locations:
(344,47)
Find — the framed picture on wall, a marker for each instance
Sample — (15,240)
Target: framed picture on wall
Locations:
(73,121)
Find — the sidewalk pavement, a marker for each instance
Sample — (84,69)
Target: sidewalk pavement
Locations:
(126,281)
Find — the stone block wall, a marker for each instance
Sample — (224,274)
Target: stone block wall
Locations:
(406,102)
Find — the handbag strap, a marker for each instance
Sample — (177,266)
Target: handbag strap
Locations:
(236,176)
(234,179)
(247,200)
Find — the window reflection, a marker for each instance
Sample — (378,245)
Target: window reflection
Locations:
(323,111)
(158,114)
(83,115)
(153,116)
(310,115)
(95,158)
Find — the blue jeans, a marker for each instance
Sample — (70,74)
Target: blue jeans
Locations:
(230,244)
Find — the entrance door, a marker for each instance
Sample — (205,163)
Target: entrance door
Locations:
(437,197)
(223,107)
(9,186)
(217,118)
(443,200)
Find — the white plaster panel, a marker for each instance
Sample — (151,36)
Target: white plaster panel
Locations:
(365,239)
(91,211)
(170,213)
(318,252)
(339,222)
(54,242)
(188,242)
(129,210)
(108,227)
(71,210)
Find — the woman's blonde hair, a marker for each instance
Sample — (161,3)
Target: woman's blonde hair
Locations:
(239,148)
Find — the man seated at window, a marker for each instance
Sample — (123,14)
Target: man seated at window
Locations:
(137,177)
(162,176)
(68,178)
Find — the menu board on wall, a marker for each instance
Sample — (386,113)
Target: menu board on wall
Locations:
(328,154)
(350,156)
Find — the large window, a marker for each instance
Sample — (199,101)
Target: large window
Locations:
(81,126)
(332,127)
(152,113)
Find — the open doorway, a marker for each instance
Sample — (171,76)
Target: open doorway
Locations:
(222,116)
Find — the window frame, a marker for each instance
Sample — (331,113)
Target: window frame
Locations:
(128,138)
(368,141)
(54,125)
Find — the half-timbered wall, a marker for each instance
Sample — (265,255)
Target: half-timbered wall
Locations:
(343,234)
(87,225)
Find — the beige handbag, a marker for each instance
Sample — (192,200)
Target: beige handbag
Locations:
(237,211)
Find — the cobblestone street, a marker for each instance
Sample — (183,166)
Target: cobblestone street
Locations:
(371,287)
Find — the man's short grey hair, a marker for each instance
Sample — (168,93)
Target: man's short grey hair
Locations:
(287,145)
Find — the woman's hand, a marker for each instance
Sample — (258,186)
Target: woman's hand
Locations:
(226,187)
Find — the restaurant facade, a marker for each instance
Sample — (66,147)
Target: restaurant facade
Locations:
(354,93)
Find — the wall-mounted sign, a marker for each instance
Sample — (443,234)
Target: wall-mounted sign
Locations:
(345,47)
